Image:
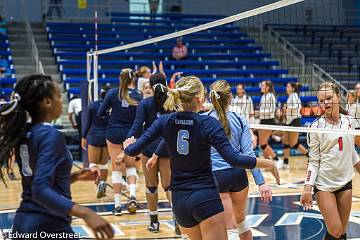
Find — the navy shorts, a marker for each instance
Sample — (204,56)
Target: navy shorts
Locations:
(192,207)
(97,139)
(26,222)
(117,135)
(150,149)
(231,180)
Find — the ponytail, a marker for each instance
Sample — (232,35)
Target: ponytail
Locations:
(158,84)
(126,79)
(220,95)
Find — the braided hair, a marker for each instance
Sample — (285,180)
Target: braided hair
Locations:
(26,100)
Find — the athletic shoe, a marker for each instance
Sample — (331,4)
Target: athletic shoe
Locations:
(177,228)
(286,166)
(117,211)
(132,205)
(154,227)
(101,189)
(280,164)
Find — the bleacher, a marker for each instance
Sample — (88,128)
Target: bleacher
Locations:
(336,49)
(7,79)
(219,53)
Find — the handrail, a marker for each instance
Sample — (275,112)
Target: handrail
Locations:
(289,48)
(321,72)
(34,53)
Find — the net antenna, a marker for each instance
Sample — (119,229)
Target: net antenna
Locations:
(93,64)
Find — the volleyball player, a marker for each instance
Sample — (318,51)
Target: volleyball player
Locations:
(188,137)
(45,163)
(122,102)
(267,116)
(147,112)
(353,108)
(293,118)
(94,139)
(242,104)
(331,159)
(233,182)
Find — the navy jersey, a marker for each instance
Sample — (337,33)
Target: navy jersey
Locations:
(122,114)
(94,124)
(146,114)
(45,167)
(188,137)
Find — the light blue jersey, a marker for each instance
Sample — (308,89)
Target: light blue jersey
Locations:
(240,140)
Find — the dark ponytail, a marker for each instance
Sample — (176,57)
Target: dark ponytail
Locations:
(26,99)
(158,84)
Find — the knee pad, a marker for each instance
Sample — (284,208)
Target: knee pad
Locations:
(296,145)
(131,171)
(116,177)
(233,234)
(286,146)
(328,236)
(103,166)
(151,190)
(263,146)
(244,226)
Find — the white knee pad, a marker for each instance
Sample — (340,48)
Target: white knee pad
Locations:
(185,237)
(116,177)
(131,171)
(244,226)
(103,166)
(233,234)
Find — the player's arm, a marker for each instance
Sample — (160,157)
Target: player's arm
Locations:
(86,127)
(356,161)
(139,120)
(133,148)
(50,157)
(312,170)
(105,104)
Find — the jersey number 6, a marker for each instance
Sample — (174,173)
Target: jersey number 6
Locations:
(182,142)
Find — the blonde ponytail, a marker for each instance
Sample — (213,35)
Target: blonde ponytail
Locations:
(126,79)
(220,94)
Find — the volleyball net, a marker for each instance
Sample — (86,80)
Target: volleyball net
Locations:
(289,41)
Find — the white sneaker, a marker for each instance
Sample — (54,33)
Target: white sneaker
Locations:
(286,166)
(280,164)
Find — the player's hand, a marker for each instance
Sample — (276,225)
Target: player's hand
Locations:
(89,174)
(83,143)
(151,162)
(100,227)
(175,75)
(265,192)
(128,142)
(161,68)
(274,171)
(154,68)
(120,158)
(306,200)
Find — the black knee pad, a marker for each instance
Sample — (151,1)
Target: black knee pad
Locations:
(296,146)
(263,146)
(151,190)
(286,146)
(328,236)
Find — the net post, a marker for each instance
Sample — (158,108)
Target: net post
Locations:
(95,69)
(88,74)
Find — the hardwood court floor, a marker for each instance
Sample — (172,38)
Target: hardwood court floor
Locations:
(266,219)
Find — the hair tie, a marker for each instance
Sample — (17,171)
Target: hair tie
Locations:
(163,88)
(14,101)
(129,70)
(214,93)
(184,88)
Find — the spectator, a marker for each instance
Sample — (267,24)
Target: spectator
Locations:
(54,5)
(180,51)
(2,26)
(154,5)
(243,104)
(353,108)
